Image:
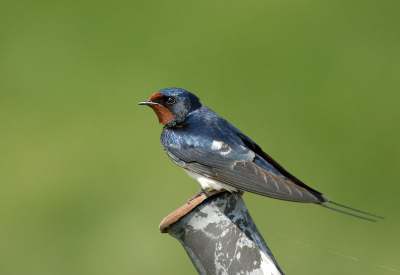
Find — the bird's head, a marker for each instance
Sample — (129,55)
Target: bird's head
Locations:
(172,105)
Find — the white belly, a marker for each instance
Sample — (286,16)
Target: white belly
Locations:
(207,183)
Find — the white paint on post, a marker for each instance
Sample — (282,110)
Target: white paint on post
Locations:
(221,238)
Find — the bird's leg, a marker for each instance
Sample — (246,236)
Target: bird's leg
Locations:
(198,194)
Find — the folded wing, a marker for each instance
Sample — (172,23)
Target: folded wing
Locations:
(235,164)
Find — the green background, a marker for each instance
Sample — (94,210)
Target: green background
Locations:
(85,182)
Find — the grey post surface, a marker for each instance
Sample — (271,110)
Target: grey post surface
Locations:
(220,237)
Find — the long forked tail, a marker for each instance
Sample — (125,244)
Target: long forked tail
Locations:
(351,214)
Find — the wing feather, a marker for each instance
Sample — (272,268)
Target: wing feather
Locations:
(242,176)
(236,161)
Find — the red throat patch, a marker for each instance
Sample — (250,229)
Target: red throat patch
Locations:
(164,115)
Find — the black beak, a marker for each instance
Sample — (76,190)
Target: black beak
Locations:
(148,103)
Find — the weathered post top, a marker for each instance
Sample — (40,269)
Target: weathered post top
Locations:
(220,237)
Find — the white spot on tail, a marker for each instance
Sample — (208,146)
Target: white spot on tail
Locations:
(218,145)
(227,151)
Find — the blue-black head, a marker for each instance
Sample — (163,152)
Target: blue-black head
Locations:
(172,105)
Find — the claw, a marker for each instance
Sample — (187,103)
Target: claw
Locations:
(198,194)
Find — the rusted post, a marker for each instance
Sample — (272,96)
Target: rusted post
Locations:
(220,236)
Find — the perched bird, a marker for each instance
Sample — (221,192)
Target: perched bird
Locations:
(219,156)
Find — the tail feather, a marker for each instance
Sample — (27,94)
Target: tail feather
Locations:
(344,212)
(376,216)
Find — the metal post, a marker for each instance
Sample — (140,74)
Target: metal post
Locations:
(220,237)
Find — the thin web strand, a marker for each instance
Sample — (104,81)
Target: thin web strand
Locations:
(335,253)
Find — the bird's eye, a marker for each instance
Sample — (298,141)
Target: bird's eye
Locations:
(170,100)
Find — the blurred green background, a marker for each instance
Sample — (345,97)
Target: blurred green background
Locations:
(85,182)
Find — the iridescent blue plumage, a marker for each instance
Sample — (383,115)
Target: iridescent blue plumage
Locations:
(219,155)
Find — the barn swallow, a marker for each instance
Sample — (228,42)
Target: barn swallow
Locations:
(219,156)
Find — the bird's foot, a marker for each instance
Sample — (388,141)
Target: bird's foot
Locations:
(198,194)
